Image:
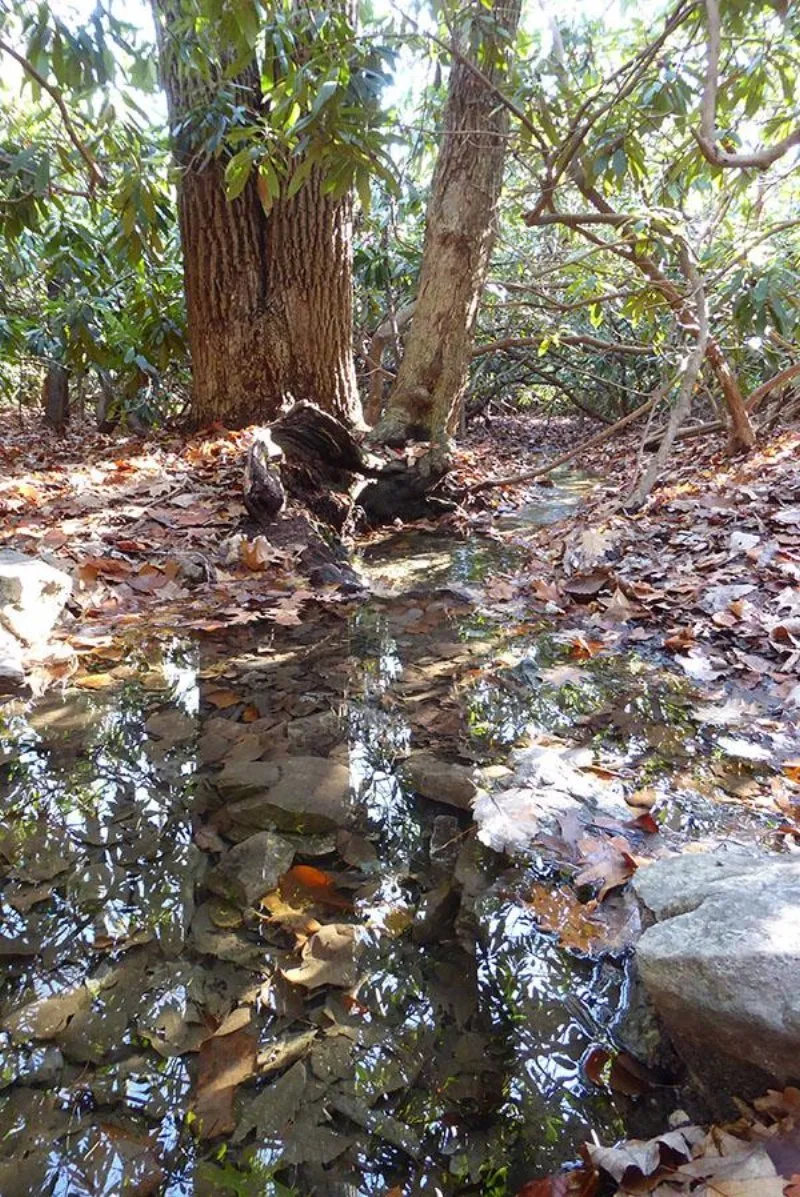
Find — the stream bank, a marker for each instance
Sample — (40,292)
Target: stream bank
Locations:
(403,1007)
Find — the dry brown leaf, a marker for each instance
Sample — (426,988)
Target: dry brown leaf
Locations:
(329,958)
(223,1063)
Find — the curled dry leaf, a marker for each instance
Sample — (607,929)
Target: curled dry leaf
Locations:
(328,958)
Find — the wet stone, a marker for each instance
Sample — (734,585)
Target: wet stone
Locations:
(445,842)
(231,945)
(317,733)
(721,962)
(12,673)
(437,910)
(304,793)
(440,780)
(32,596)
(244,779)
(252,868)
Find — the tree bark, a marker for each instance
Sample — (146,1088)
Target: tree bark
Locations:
(268,296)
(458,241)
(55,396)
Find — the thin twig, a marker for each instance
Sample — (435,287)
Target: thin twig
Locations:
(691,371)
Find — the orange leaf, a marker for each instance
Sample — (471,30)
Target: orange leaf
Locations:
(584,649)
(594,1064)
(792,770)
(306,882)
(222,699)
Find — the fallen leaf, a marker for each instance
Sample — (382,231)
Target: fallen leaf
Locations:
(223,1063)
(558,910)
(306,883)
(608,862)
(222,699)
(587,585)
(328,958)
(595,1065)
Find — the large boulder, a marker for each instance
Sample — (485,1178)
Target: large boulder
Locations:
(300,793)
(722,962)
(32,596)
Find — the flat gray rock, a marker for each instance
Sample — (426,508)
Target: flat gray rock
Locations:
(12,675)
(302,793)
(722,967)
(243,779)
(680,883)
(548,783)
(32,596)
(252,868)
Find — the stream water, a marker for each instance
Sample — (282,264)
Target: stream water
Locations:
(391,1017)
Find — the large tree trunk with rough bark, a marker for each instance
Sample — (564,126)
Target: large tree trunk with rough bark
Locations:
(268,296)
(459,235)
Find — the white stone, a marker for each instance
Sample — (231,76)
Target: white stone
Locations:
(32,596)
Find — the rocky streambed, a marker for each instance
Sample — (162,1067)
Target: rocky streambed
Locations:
(342,908)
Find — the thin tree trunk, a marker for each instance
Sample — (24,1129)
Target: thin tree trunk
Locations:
(55,396)
(387,331)
(741,437)
(268,297)
(691,370)
(55,388)
(459,236)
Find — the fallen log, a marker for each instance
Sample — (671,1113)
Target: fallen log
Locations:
(311,457)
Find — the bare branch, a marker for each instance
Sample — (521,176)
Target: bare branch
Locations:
(781,227)
(568,339)
(766,388)
(707,136)
(573,220)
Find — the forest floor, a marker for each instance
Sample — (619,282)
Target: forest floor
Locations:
(152,1015)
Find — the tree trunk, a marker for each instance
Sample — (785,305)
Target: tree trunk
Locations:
(55,396)
(268,297)
(458,240)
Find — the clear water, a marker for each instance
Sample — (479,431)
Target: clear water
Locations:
(452,1064)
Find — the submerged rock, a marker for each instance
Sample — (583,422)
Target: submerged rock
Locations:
(251,868)
(12,671)
(549,782)
(440,780)
(317,733)
(721,965)
(300,793)
(32,596)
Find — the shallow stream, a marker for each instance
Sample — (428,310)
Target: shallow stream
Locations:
(391,1017)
